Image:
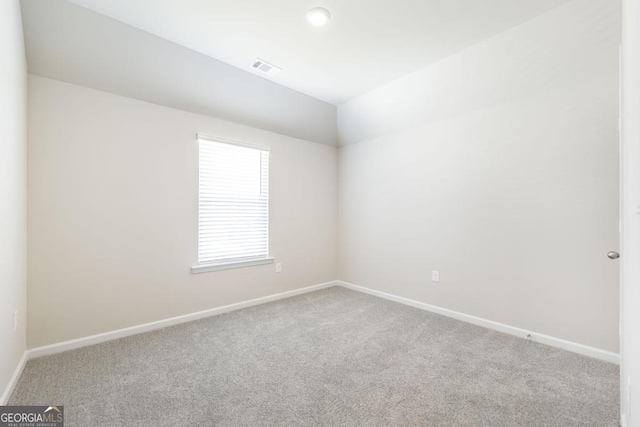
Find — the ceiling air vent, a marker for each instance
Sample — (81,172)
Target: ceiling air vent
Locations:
(265,67)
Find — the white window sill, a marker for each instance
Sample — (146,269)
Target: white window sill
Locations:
(217,267)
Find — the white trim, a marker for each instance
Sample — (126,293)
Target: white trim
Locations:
(630,214)
(240,264)
(233,142)
(596,353)
(14,379)
(134,330)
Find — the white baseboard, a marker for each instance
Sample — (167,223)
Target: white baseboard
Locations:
(512,330)
(14,379)
(134,330)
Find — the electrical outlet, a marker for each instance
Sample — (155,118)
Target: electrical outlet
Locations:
(278,267)
(435,276)
(15,320)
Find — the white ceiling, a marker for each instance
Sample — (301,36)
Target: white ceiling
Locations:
(366,43)
(73,44)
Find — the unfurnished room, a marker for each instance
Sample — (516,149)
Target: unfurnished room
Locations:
(319,213)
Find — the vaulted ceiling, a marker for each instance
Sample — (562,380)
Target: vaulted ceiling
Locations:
(194,55)
(365,44)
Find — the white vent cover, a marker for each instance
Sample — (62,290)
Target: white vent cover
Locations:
(265,67)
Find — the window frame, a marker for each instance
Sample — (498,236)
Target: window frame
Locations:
(208,267)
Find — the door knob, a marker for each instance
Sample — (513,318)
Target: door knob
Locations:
(613,255)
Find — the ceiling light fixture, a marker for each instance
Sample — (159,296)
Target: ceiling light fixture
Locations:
(318,16)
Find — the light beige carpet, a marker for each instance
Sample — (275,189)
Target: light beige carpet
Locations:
(329,358)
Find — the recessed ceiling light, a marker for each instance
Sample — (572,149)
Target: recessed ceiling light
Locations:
(318,16)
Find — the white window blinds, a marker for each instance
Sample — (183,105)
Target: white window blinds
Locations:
(233,220)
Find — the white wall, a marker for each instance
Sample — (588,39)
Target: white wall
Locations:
(113,213)
(497,166)
(13,189)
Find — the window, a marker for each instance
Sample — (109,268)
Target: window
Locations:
(233,204)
